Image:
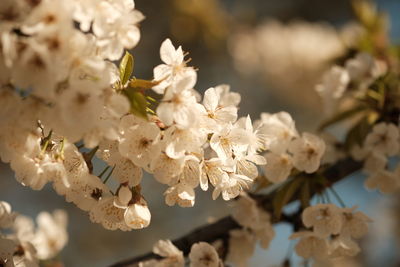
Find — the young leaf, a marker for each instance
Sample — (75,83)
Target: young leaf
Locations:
(357,134)
(126,68)
(138,102)
(139,84)
(284,195)
(341,116)
(305,195)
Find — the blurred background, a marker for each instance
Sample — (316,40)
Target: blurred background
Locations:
(272,53)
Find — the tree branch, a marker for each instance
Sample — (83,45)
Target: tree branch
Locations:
(221,228)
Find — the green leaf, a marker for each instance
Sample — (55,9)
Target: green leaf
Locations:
(360,130)
(138,102)
(126,68)
(305,195)
(341,116)
(139,84)
(284,195)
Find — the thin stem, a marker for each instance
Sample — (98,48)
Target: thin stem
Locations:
(339,199)
(326,193)
(104,171)
(109,175)
(89,155)
(62,148)
(47,141)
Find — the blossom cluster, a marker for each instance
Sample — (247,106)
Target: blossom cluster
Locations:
(61,95)
(23,244)
(353,78)
(333,232)
(255,225)
(381,144)
(201,254)
(288,149)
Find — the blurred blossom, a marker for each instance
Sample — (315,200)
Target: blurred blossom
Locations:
(200,20)
(291,57)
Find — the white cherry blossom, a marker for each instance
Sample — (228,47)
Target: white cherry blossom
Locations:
(386,181)
(173,69)
(310,245)
(203,254)
(307,152)
(326,219)
(172,256)
(384,139)
(280,127)
(333,86)
(355,223)
(7,217)
(278,167)
(51,235)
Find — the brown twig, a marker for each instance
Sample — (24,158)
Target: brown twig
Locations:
(221,228)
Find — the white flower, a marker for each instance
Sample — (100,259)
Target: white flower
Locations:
(310,245)
(229,140)
(307,152)
(355,224)
(227,98)
(241,247)
(213,170)
(173,257)
(280,127)
(109,215)
(86,106)
(374,163)
(245,164)
(384,139)
(278,167)
(51,235)
(137,215)
(124,196)
(179,105)
(343,247)
(31,171)
(183,141)
(231,185)
(333,86)
(181,194)
(263,229)
(86,190)
(245,211)
(326,219)
(139,143)
(174,68)
(386,181)
(74,166)
(257,139)
(363,69)
(203,254)
(7,217)
(166,169)
(115,24)
(127,172)
(216,115)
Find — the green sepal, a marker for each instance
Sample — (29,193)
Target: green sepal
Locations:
(126,68)
(341,116)
(285,194)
